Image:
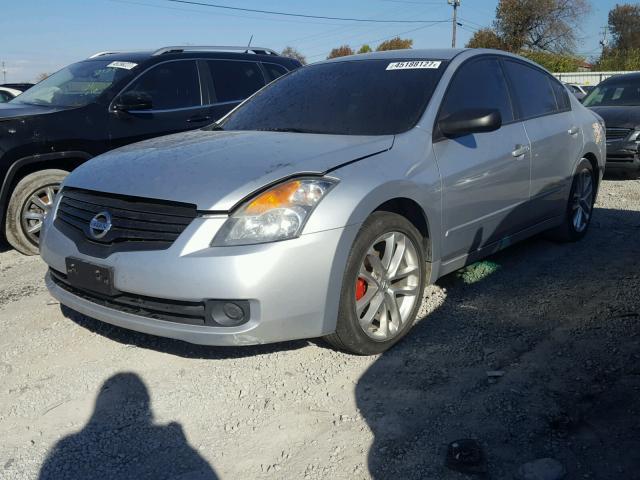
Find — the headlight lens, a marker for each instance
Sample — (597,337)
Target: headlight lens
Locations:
(278,213)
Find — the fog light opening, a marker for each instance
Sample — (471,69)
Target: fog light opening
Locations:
(227,313)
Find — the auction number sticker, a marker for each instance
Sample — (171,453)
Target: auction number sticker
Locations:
(125,65)
(414,64)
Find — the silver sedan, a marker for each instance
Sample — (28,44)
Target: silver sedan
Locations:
(325,203)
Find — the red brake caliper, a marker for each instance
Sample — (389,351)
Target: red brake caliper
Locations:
(361,288)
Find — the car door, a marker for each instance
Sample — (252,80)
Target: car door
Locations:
(556,138)
(229,82)
(174,90)
(485,176)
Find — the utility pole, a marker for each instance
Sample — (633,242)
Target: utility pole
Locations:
(4,74)
(455,4)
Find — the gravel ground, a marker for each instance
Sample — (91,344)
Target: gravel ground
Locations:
(534,355)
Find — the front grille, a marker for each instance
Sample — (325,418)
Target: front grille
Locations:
(617,133)
(192,313)
(137,223)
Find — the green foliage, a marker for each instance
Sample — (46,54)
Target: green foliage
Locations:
(554,62)
(624,24)
(615,60)
(477,271)
(396,43)
(365,49)
(342,51)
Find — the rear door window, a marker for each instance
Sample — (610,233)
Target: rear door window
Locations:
(274,71)
(478,84)
(562,96)
(170,85)
(532,90)
(234,80)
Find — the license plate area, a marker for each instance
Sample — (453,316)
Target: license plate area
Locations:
(88,276)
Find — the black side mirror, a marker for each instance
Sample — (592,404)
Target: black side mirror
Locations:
(132,101)
(474,120)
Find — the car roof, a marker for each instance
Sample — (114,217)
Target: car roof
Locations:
(409,53)
(623,77)
(148,57)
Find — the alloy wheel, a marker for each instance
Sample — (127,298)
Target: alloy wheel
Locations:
(582,205)
(387,286)
(35,210)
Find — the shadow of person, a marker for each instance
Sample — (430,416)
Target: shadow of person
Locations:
(120,441)
(537,359)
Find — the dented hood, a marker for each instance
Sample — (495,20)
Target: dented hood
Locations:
(216,169)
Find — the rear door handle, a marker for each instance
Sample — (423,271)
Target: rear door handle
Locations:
(199,119)
(520,150)
(573,130)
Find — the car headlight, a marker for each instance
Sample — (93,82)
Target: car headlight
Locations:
(635,136)
(278,213)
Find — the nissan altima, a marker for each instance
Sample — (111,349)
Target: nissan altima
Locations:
(323,204)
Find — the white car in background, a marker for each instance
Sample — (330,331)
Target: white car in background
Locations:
(7,94)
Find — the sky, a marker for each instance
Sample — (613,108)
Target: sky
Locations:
(42,36)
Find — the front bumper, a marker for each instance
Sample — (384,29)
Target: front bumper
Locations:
(623,156)
(292,286)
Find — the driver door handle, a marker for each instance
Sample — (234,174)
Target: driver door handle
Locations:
(520,150)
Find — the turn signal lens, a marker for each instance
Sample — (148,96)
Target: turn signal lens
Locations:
(278,213)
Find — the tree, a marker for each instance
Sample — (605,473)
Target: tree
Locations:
(42,76)
(548,25)
(341,51)
(624,51)
(486,38)
(624,25)
(365,49)
(293,53)
(396,43)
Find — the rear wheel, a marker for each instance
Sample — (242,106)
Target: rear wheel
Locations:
(580,205)
(382,286)
(31,201)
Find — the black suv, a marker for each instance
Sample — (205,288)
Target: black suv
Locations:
(109,100)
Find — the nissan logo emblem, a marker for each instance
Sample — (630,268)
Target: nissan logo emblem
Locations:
(100,225)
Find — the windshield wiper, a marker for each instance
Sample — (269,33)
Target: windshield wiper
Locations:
(214,127)
(293,130)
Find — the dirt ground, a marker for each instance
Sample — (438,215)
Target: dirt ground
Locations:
(556,326)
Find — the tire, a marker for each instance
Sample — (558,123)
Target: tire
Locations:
(568,231)
(380,230)
(24,214)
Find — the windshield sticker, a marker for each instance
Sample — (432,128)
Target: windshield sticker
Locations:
(413,65)
(125,65)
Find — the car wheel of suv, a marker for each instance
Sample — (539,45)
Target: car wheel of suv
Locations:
(382,286)
(31,200)
(579,207)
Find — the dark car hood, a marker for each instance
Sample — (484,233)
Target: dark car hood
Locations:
(619,117)
(15,110)
(216,169)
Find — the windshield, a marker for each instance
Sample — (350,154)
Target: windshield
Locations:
(76,85)
(360,97)
(614,94)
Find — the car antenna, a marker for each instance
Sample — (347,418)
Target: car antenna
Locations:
(249,44)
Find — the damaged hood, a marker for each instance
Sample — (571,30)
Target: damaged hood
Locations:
(217,169)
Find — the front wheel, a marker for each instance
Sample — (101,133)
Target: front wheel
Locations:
(31,201)
(580,205)
(382,286)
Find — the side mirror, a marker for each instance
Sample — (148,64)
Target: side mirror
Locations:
(131,101)
(475,120)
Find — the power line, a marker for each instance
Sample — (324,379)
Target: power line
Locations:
(300,15)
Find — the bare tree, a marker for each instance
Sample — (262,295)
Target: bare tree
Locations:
(293,53)
(42,76)
(548,25)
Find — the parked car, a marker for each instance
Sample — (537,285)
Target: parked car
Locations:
(110,100)
(617,101)
(21,87)
(325,203)
(7,94)
(577,90)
